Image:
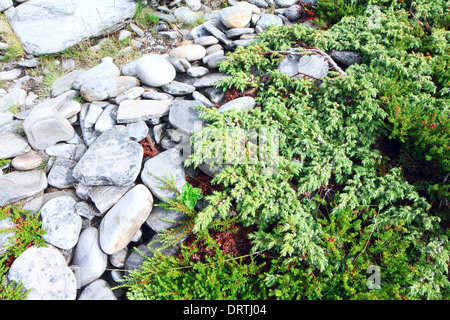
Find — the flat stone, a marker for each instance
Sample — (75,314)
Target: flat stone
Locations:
(346,58)
(63,150)
(15,98)
(45,126)
(214,31)
(237,32)
(112,159)
(243,103)
(185,15)
(268,19)
(104,197)
(88,132)
(142,110)
(69,108)
(180,64)
(12,145)
(130,94)
(10,75)
(206,41)
(97,290)
(62,223)
(154,95)
(202,99)
(137,130)
(89,259)
(65,83)
(160,219)
(65,25)
(102,71)
(210,79)
(106,120)
(197,71)
(61,173)
(44,271)
(103,89)
(177,88)
(164,165)
(19,185)
(124,219)
(154,70)
(5,4)
(183,116)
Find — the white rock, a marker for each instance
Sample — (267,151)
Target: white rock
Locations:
(155,70)
(19,185)
(235,16)
(97,290)
(62,223)
(44,271)
(28,161)
(191,52)
(142,110)
(125,218)
(12,145)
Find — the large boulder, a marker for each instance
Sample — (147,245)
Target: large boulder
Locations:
(66,22)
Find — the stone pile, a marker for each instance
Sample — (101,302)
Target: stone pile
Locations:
(78,156)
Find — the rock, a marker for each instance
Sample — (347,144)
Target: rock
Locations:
(293,13)
(88,132)
(237,32)
(27,161)
(154,95)
(164,165)
(124,219)
(15,98)
(30,63)
(346,58)
(142,110)
(177,88)
(45,126)
(65,83)
(268,19)
(243,103)
(193,4)
(63,150)
(104,197)
(137,130)
(65,25)
(103,89)
(62,223)
(206,40)
(213,48)
(214,31)
(314,66)
(191,52)
(104,70)
(5,237)
(5,4)
(89,259)
(259,3)
(197,71)
(285,3)
(69,108)
(216,95)
(202,99)
(159,131)
(130,94)
(61,173)
(106,120)
(44,271)
(235,16)
(118,259)
(155,70)
(10,75)
(92,115)
(12,145)
(159,218)
(112,159)
(97,290)
(180,64)
(19,185)
(183,116)
(210,79)
(185,15)
(215,55)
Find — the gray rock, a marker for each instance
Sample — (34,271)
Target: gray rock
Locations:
(92,115)
(6,237)
(217,54)
(106,120)
(97,290)
(243,103)
(118,259)
(154,70)
(268,19)
(88,131)
(180,64)
(216,95)
(63,150)
(103,89)
(5,4)
(189,52)
(44,271)
(10,75)
(12,145)
(183,116)
(61,173)
(285,3)
(104,70)
(293,13)
(124,219)
(314,66)
(155,95)
(45,126)
(214,31)
(104,197)
(160,219)
(159,131)
(197,71)
(89,259)
(29,63)
(193,4)
(137,130)
(259,3)
(65,83)
(346,58)
(130,94)
(62,223)
(202,99)
(142,110)
(69,108)
(165,165)
(112,159)
(65,25)
(206,40)
(177,88)
(19,185)
(237,32)
(15,98)
(213,48)
(86,210)
(210,79)
(185,15)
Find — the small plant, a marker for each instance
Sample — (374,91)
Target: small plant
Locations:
(14,50)
(145,16)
